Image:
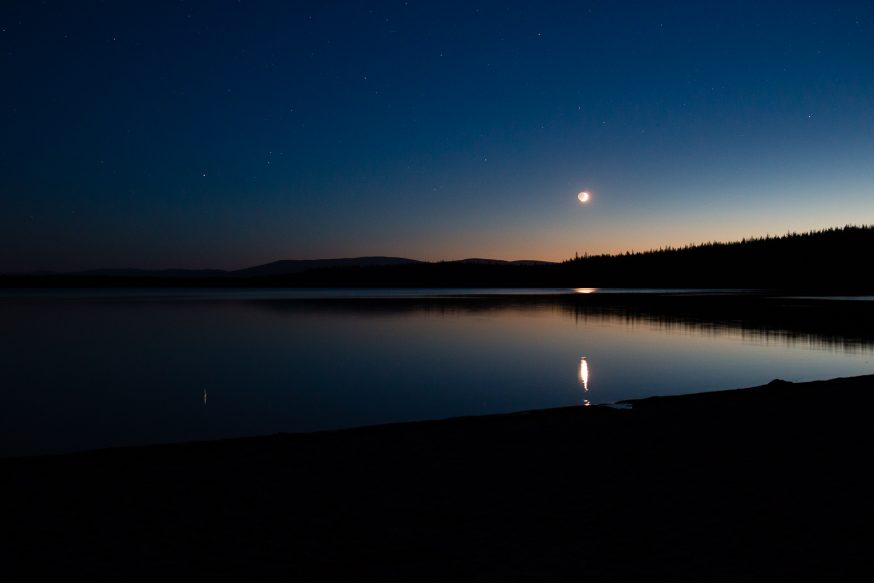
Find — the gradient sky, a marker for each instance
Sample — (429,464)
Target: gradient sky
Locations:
(225,134)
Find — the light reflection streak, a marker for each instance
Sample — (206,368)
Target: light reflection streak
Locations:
(584,378)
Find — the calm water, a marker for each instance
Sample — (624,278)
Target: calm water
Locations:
(94,369)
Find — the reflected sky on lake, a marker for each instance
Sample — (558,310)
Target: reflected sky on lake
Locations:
(100,372)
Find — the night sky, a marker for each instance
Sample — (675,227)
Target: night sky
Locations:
(225,134)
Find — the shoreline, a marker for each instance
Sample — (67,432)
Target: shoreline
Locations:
(744,484)
(775,389)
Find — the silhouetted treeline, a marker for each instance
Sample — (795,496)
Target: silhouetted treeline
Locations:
(828,259)
(832,260)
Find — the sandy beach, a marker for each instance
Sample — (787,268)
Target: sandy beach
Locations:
(745,485)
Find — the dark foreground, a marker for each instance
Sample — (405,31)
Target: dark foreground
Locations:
(761,484)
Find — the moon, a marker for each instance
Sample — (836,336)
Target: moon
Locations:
(584,197)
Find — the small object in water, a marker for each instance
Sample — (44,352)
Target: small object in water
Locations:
(204,396)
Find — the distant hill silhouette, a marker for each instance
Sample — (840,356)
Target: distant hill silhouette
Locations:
(290,266)
(171,273)
(831,260)
(478,261)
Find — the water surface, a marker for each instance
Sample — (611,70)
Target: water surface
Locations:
(87,370)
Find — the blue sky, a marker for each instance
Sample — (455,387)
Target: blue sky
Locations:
(225,134)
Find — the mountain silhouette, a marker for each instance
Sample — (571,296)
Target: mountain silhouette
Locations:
(479,261)
(170,273)
(291,266)
(831,260)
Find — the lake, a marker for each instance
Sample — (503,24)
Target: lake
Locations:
(87,369)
